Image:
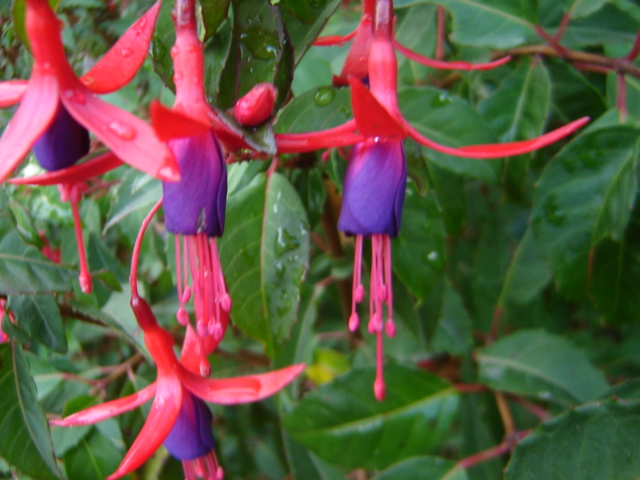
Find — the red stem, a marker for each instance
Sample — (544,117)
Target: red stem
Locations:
(441,34)
(635,49)
(485,455)
(133,277)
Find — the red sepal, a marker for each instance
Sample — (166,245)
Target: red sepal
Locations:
(128,137)
(340,136)
(372,119)
(106,410)
(11,92)
(159,423)
(76,173)
(170,124)
(120,64)
(36,110)
(231,391)
(498,150)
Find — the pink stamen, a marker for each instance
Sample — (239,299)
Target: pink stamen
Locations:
(390,326)
(358,290)
(379,388)
(72,193)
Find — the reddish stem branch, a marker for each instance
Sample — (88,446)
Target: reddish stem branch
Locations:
(485,455)
(592,60)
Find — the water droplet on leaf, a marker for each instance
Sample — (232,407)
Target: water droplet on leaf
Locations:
(324,96)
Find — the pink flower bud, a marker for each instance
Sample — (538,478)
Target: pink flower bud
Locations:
(256,106)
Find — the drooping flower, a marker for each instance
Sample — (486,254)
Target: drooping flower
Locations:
(178,392)
(54,86)
(57,110)
(372,201)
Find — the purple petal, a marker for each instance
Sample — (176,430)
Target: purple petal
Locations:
(63,143)
(191,435)
(197,202)
(374,188)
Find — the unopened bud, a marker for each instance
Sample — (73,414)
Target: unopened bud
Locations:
(256,106)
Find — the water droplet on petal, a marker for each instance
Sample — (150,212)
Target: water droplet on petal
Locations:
(88,81)
(175,51)
(75,95)
(122,130)
(126,52)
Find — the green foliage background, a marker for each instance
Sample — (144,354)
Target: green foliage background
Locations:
(516,281)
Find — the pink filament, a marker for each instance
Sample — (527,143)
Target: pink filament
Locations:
(199,262)
(72,192)
(358,289)
(207,468)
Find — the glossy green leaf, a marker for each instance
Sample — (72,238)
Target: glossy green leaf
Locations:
(136,192)
(584,8)
(512,21)
(527,274)
(615,277)
(305,464)
(593,442)
(517,109)
(419,252)
(39,315)
(453,332)
(420,468)
(610,25)
(583,196)
(452,122)
(95,457)
(264,255)
(213,14)
(304,20)
(23,269)
(539,364)
(260,52)
(344,424)
(318,109)
(25,441)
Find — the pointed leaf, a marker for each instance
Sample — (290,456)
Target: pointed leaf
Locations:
(517,109)
(39,315)
(93,459)
(453,333)
(119,65)
(264,255)
(137,192)
(344,424)
(512,21)
(419,468)
(583,196)
(23,269)
(419,252)
(317,109)
(449,121)
(25,441)
(542,365)
(594,442)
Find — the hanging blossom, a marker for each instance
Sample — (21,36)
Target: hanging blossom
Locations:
(57,110)
(375,180)
(178,417)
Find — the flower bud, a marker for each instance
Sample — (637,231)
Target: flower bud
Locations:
(256,106)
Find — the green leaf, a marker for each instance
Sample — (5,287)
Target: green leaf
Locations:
(511,21)
(39,315)
(419,252)
(449,121)
(213,14)
(584,8)
(304,20)
(136,192)
(94,458)
(420,468)
(264,254)
(583,196)
(344,424)
(594,442)
(25,441)
(542,365)
(260,52)
(517,109)
(304,464)
(453,333)
(610,25)
(23,269)
(527,274)
(318,109)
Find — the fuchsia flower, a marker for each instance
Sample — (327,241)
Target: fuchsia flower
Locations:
(375,179)
(178,412)
(57,110)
